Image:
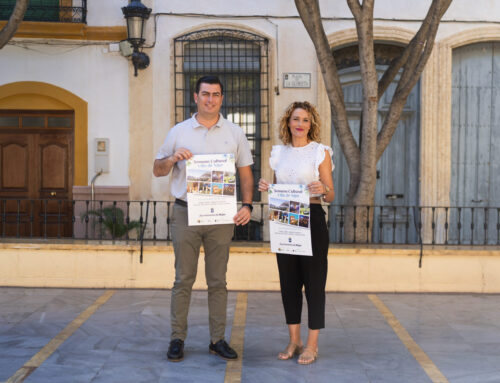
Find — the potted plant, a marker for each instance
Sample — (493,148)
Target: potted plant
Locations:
(111,220)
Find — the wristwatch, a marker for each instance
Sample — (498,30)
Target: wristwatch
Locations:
(249,205)
(327,189)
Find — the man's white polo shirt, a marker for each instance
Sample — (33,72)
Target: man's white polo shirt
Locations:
(223,137)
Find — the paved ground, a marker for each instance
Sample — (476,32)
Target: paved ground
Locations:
(65,335)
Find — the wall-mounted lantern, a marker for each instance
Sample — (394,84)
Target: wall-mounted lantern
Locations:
(136,15)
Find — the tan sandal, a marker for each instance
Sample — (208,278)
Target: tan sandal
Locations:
(308,356)
(290,351)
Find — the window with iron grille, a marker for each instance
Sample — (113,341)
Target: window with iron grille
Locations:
(240,60)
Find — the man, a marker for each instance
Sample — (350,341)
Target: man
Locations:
(207,132)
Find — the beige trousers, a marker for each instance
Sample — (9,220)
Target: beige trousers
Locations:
(187,241)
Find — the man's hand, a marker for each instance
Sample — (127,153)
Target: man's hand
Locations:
(164,166)
(246,187)
(181,154)
(243,216)
(263,185)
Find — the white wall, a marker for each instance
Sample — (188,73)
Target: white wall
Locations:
(102,78)
(295,52)
(480,10)
(105,12)
(90,72)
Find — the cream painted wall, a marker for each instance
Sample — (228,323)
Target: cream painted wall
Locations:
(295,52)
(393,9)
(352,269)
(105,80)
(93,74)
(105,13)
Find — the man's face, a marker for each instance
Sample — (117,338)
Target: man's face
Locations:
(209,99)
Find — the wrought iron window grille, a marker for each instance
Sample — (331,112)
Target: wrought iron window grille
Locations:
(241,60)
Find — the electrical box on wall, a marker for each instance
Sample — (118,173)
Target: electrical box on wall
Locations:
(101,148)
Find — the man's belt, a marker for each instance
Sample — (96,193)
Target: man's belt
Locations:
(181,202)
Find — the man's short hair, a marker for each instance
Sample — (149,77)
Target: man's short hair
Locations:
(208,80)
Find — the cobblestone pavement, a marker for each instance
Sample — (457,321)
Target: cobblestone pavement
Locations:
(73,335)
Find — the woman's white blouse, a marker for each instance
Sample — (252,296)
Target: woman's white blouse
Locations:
(299,165)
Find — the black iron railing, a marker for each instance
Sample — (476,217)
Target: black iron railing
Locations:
(74,11)
(126,220)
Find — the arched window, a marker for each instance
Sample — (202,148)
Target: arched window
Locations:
(240,59)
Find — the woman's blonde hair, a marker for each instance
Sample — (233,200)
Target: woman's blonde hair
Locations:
(312,135)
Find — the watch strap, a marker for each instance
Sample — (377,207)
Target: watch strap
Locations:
(249,205)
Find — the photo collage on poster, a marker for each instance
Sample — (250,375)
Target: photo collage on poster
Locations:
(215,182)
(289,212)
(211,189)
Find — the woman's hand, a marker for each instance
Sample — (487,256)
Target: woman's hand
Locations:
(263,185)
(317,187)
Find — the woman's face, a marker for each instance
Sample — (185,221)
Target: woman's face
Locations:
(300,123)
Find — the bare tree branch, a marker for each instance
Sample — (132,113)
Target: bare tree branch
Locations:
(399,62)
(369,79)
(355,8)
(311,17)
(429,27)
(368,6)
(15,19)
(413,68)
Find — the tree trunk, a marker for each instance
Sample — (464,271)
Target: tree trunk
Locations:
(15,19)
(362,160)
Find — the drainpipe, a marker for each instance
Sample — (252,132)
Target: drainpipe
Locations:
(92,191)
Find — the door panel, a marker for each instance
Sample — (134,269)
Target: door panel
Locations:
(15,167)
(36,179)
(397,170)
(54,163)
(475,143)
(55,153)
(16,173)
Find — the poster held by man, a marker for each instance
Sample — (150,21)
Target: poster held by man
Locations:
(211,189)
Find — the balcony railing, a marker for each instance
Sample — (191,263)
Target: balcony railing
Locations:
(63,11)
(126,220)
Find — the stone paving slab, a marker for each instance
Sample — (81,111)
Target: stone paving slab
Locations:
(126,339)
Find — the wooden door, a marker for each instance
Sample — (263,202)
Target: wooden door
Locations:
(16,160)
(397,170)
(36,174)
(475,167)
(55,169)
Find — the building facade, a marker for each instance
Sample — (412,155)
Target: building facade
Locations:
(65,88)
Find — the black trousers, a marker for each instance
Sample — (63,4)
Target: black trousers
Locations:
(297,271)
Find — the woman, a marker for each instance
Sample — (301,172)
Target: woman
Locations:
(303,160)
